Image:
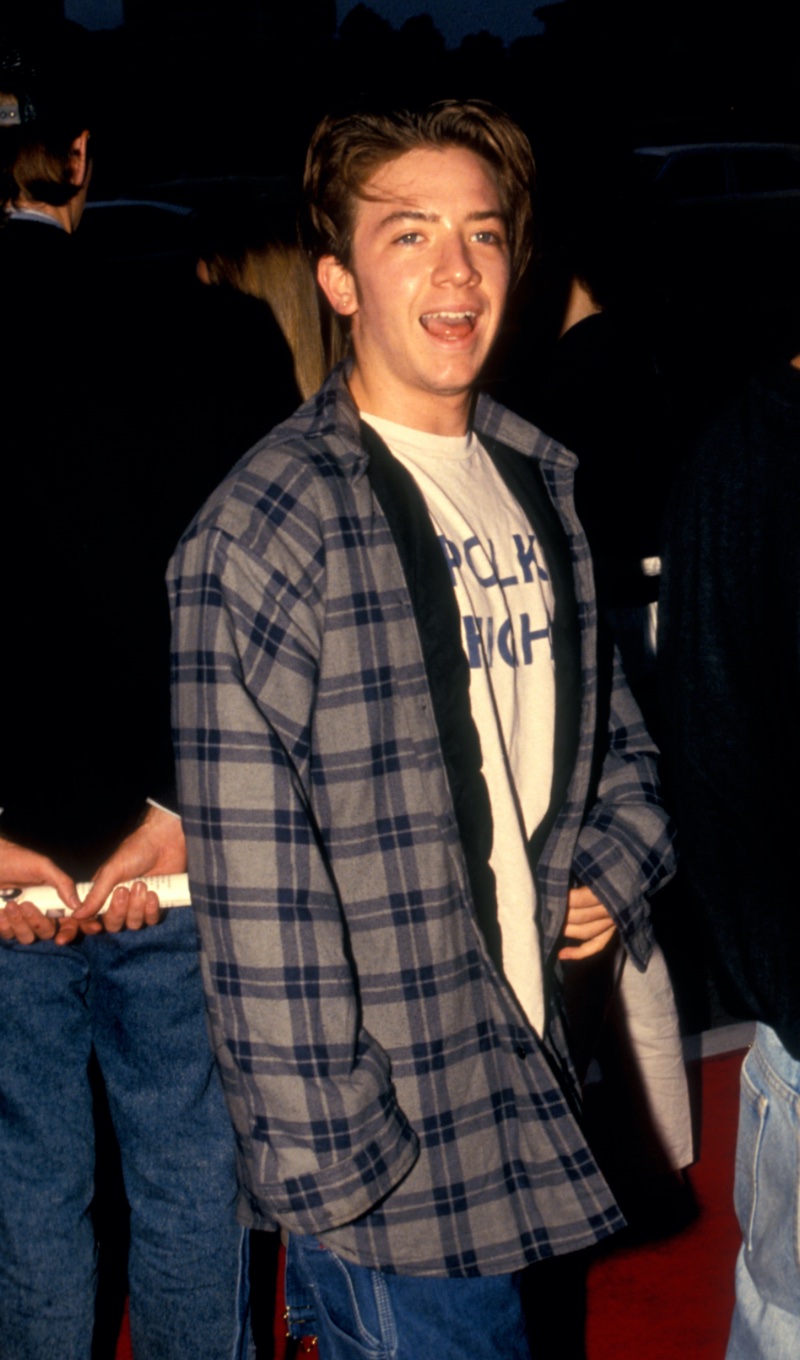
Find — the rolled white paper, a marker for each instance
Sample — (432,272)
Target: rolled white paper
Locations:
(172,889)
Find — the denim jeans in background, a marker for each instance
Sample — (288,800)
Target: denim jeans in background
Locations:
(363,1314)
(136,997)
(766,1319)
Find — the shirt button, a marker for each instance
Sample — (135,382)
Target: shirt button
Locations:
(520,1051)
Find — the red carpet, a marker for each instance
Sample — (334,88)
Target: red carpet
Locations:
(670,1300)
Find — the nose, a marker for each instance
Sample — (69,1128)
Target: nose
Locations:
(455,264)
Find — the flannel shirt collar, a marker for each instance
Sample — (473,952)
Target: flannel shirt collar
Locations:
(332,416)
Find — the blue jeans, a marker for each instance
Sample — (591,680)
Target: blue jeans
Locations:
(766,1319)
(136,999)
(362,1314)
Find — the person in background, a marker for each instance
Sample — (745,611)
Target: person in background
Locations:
(87,791)
(729,657)
(407,797)
(259,255)
(603,397)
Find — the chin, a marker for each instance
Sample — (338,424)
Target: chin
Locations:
(456,384)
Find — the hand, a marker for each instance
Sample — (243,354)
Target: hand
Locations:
(157,846)
(587,920)
(21,868)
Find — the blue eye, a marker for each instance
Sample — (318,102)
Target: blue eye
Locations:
(488,238)
(409,238)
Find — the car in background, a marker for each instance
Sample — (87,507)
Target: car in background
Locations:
(154,231)
(724,173)
(729,210)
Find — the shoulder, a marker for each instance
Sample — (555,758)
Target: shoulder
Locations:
(494,421)
(750,447)
(295,472)
(40,266)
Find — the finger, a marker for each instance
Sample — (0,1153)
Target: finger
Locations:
(116,918)
(588,930)
(583,897)
(42,926)
(589,947)
(68,929)
(49,872)
(152,909)
(35,869)
(137,898)
(28,923)
(13,926)
(582,915)
(21,931)
(101,889)
(65,887)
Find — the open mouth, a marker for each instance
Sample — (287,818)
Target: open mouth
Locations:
(449,325)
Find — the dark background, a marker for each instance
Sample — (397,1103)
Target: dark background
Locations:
(201,88)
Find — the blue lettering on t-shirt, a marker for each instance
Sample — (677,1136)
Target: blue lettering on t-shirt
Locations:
(503,581)
(494,578)
(470,544)
(479,635)
(451,556)
(505,643)
(472,633)
(527,558)
(528,636)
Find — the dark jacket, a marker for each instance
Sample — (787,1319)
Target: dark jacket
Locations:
(730,658)
(84,717)
(120,414)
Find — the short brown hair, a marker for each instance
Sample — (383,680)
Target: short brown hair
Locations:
(347,150)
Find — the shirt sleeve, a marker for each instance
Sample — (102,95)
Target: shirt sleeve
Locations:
(625,847)
(322,1138)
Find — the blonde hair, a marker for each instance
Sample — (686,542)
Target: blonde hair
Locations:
(279,273)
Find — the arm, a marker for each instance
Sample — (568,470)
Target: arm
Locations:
(624,851)
(308,1088)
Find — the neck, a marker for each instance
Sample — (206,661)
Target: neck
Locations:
(65,215)
(580,304)
(433,413)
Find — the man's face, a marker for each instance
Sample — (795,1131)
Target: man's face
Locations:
(426,287)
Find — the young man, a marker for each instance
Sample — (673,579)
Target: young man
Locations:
(398,787)
(85,771)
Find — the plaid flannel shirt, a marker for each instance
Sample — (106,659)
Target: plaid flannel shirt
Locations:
(387,1091)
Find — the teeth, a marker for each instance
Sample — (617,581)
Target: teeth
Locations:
(453,316)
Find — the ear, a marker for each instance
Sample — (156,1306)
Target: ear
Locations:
(79,160)
(338,285)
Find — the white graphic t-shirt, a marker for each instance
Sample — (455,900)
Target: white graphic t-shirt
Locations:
(505,599)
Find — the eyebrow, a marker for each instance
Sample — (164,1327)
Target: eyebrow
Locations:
(416,215)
